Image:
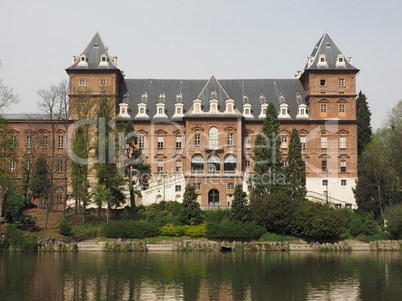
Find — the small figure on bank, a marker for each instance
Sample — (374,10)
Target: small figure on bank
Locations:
(53,240)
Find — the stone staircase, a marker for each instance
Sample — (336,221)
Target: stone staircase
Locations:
(93,245)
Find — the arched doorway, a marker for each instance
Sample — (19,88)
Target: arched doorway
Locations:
(213,197)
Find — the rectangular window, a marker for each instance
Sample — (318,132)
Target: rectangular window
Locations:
(142,110)
(264,111)
(59,200)
(160,111)
(12,166)
(247,111)
(160,141)
(284,142)
(230,139)
(178,166)
(248,164)
(322,82)
(160,166)
(283,111)
(197,139)
(343,166)
(341,82)
(230,185)
(324,167)
(44,142)
(342,109)
(323,109)
(43,201)
(102,82)
(82,82)
(59,166)
(142,142)
(247,141)
(14,141)
(61,142)
(324,142)
(342,142)
(197,186)
(178,188)
(343,182)
(324,182)
(303,142)
(178,141)
(29,142)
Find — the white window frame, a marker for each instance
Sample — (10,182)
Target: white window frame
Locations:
(160,166)
(197,139)
(60,142)
(12,166)
(29,142)
(230,139)
(141,141)
(324,142)
(342,142)
(160,141)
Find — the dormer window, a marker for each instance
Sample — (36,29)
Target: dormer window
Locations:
(284,112)
(160,111)
(213,93)
(103,58)
(340,60)
(144,97)
(179,97)
(83,60)
(322,60)
(247,111)
(162,97)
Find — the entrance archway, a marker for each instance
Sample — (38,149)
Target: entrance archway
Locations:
(213,197)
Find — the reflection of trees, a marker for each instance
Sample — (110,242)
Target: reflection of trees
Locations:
(200,276)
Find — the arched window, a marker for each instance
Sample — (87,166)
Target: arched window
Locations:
(230,163)
(197,163)
(213,138)
(213,163)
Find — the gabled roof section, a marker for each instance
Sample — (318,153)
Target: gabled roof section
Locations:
(93,54)
(327,48)
(211,88)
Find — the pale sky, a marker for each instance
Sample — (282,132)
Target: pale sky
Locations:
(196,39)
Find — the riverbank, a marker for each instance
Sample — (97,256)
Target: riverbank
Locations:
(190,245)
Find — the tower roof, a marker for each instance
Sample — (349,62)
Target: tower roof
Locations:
(95,56)
(327,50)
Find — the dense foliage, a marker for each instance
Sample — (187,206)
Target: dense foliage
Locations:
(363,116)
(240,210)
(192,231)
(130,229)
(190,213)
(394,219)
(65,228)
(234,229)
(317,220)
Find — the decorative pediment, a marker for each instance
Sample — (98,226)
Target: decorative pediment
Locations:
(345,132)
(324,156)
(342,101)
(230,128)
(197,128)
(285,132)
(160,156)
(142,131)
(303,132)
(160,132)
(324,132)
(177,131)
(344,156)
(306,156)
(44,131)
(249,131)
(179,156)
(60,131)
(323,101)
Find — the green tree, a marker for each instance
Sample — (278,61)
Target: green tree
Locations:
(135,167)
(317,220)
(25,179)
(8,159)
(41,185)
(295,172)
(274,212)
(394,219)
(378,185)
(190,213)
(110,183)
(240,209)
(363,115)
(268,176)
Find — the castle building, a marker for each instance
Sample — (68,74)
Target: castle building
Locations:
(202,132)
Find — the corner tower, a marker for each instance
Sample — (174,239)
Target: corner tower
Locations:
(329,79)
(93,74)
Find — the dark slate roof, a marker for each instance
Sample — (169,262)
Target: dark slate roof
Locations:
(93,53)
(328,47)
(25,117)
(202,89)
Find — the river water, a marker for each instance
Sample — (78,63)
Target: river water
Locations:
(202,276)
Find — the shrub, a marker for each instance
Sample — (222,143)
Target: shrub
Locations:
(276,237)
(274,212)
(217,216)
(17,239)
(192,231)
(359,223)
(65,228)
(233,229)
(394,219)
(130,229)
(317,220)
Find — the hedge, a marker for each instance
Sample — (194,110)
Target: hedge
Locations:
(192,231)
(130,229)
(234,229)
